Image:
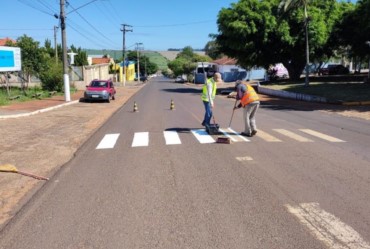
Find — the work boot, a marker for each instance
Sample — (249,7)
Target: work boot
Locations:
(245,134)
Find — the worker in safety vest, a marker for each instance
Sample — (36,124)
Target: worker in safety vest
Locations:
(208,95)
(249,100)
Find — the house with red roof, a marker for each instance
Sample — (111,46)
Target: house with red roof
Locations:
(229,69)
(3,41)
(95,61)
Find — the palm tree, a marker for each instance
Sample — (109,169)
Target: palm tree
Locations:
(285,6)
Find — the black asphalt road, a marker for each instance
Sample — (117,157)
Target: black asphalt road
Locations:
(258,194)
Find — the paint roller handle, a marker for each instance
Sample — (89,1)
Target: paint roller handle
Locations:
(232,115)
(32,175)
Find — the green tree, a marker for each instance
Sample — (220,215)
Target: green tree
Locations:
(32,57)
(186,53)
(186,62)
(48,49)
(80,57)
(212,50)
(286,5)
(256,34)
(51,76)
(178,65)
(145,66)
(151,67)
(353,31)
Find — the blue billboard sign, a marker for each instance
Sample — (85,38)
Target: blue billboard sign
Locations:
(10,59)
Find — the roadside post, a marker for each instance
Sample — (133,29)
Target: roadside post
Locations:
(368,66)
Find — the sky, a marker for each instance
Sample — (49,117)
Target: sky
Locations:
(97,24)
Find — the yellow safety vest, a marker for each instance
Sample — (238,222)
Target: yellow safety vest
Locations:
(205,90)
(250,97)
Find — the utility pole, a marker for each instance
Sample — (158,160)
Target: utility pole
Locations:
(368,73)
(138,64)
(124,30)
(55,44)
(307,20)
(145,66)
(67,94)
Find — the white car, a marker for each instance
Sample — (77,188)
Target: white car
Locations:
(179,79)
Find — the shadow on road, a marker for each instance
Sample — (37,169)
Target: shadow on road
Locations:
(182,130)
(183,90)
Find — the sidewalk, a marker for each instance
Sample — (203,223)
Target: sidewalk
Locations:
(40,136)
(27,108)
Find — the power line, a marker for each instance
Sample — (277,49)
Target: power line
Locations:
(174,25)
(36,8)
(47,6)
(80,6)
(83,18)
(78,30)
(26,29)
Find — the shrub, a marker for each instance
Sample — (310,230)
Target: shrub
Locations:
(52,77)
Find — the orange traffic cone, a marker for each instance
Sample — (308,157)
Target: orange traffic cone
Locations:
(135,107)
(172,107)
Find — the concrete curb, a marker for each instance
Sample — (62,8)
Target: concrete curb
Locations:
(306,97)
(38,111)
(291,95)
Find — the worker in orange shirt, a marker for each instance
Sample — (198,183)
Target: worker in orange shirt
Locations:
(249,101)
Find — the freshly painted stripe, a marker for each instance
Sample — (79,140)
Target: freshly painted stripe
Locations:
(171,137)
(267,137)
(108,141)
(328,228)
(321,135)
(238,135)
(202,136)
(227,134)
(293,135)
(140,139)
(244,158)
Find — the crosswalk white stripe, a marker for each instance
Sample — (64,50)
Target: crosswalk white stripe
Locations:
(321,135)
(228,135)
(244,158)
(328,228)
(108,141)
(239,135)
(293,135)
(140,139)
(267,137)
(171,137)
(202,136)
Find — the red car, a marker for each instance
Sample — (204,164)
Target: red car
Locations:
(100,90)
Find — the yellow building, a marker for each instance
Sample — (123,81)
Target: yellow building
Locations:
(130,71)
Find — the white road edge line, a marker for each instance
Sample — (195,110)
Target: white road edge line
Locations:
(328,228)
